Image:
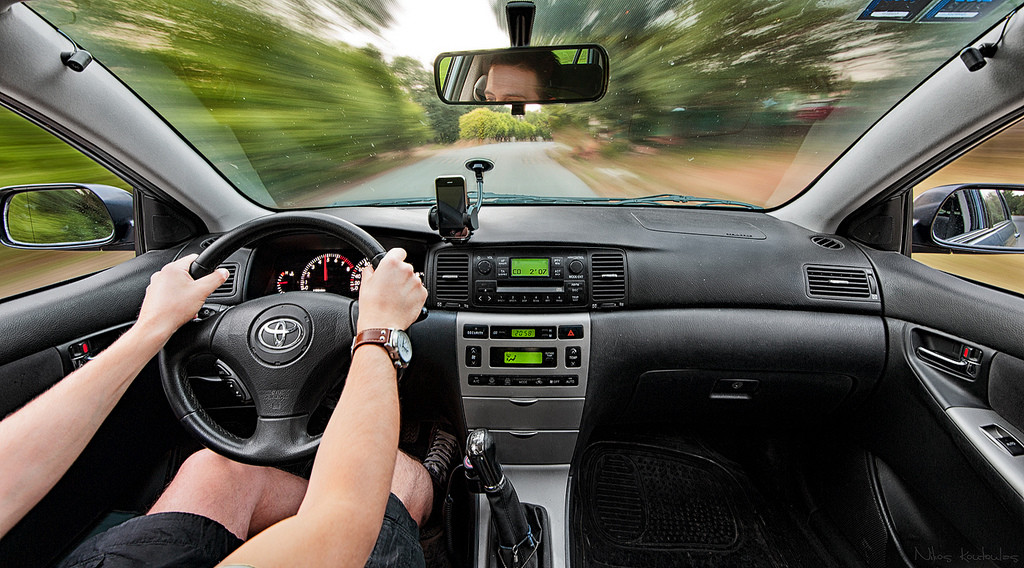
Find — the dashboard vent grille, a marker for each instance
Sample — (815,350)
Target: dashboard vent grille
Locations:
(839,283)
(452,277)
(226,289)
(608,271)
(207,242)
(826,242)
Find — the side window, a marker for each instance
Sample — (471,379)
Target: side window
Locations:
(28,155)
(1000,160)
(994,207)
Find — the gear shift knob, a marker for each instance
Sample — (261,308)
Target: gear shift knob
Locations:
(482,455)
(517,544)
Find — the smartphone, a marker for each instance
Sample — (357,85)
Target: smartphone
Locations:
(452,202)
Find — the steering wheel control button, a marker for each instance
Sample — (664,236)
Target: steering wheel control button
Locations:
(474,331)
(280,335)
(570,332)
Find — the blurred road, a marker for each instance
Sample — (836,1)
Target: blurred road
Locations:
(522,168)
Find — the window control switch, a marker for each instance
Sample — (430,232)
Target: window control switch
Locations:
(1012,445)
(1003,438)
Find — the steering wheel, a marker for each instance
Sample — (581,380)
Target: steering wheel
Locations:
(287,350)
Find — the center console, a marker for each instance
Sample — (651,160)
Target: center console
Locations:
(523,341)
(524,377)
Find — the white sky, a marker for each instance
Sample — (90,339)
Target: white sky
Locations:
(425,29)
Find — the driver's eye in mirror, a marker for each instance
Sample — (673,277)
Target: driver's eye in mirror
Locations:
(536,75)
(56,216)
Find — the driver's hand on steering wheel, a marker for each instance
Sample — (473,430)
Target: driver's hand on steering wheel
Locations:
(173,297)
(390,296)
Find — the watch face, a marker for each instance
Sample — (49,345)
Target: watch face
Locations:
(403,345)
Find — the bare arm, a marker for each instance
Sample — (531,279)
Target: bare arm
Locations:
(40,441)
(341,514)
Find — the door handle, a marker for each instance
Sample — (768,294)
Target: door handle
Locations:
(940,359)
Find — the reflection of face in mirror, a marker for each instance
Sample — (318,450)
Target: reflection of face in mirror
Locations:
(520,77)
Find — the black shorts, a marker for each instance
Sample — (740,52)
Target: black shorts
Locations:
(184,539)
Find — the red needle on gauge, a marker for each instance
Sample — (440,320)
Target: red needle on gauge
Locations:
(325,270)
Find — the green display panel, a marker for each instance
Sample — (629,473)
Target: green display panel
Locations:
(530,267)
(524,357)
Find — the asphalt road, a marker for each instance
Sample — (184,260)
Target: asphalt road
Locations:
(522,168)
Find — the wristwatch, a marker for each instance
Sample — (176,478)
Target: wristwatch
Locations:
(395,341)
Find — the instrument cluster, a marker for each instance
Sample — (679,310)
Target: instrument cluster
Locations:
(324,272)
(315,263)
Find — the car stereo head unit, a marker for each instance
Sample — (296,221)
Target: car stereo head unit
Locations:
(527,278)
(530,278)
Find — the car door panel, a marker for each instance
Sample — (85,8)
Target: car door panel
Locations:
(125,463)
(23,379)
(63,313)
(953,369)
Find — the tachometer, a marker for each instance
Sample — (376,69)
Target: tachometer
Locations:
(287,282)
(329,272)
(357,275)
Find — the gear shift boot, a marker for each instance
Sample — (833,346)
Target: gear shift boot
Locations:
(517,531)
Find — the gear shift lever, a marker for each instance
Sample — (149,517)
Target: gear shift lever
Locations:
(517,545)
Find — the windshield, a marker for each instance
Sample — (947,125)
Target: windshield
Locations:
(331,102)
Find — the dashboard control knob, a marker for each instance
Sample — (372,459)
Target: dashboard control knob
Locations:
(576,266)
(484,267)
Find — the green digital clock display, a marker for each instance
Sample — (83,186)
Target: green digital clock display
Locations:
(524,357)
(524,333)
(530,267)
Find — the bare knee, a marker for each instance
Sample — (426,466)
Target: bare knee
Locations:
(215,487)
(210,468)
(412,485)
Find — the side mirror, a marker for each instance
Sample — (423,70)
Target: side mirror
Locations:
(530,75)
(979,218)
(67,217)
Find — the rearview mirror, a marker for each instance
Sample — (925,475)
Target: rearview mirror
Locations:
(535,75)
(67,216)
(969,218)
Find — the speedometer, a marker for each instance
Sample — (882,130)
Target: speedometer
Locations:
(329,272)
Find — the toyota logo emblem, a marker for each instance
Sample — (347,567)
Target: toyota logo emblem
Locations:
(281,334)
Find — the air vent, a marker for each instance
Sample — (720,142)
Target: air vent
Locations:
(608,272)
(826,242)
(207,242)
(840,283)
(451,283)
(227,289)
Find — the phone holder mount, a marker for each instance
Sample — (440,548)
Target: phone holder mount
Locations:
(470,219)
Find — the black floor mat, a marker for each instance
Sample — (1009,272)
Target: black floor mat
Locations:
(643,505)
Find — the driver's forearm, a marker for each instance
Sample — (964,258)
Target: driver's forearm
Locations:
(341,514)
(40,441)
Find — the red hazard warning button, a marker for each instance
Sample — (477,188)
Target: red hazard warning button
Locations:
(570,332)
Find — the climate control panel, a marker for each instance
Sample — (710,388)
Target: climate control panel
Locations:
(507,354)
